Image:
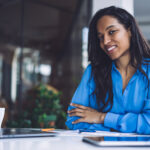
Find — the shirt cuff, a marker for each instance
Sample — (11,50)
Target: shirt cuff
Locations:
(111,120)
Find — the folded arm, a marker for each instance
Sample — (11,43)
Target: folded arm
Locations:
(83,97)
(86,118)
(130,122)
(86,114)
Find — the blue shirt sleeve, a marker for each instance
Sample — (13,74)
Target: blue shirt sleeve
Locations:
(82,97)
(130,122)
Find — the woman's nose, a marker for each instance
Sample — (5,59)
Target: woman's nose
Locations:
(107,39)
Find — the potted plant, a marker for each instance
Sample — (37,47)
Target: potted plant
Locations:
(42,109)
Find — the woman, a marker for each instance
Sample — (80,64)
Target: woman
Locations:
(113,93)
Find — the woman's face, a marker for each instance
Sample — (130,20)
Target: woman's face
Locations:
(114,38)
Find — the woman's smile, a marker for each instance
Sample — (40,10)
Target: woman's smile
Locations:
(110,49)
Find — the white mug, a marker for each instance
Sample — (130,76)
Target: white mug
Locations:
(2,112)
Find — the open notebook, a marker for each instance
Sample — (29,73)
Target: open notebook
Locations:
(24,132)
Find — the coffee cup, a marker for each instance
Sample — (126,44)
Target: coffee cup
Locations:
(2,112)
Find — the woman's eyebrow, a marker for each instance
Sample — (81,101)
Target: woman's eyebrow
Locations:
(99,33)
(109,27)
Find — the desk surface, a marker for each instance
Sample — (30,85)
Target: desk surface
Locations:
(66,140)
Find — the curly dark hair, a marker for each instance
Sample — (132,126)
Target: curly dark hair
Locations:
(102,64)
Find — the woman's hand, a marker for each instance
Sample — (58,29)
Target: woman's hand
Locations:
(87,114)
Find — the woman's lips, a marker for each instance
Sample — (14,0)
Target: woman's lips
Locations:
(110,49)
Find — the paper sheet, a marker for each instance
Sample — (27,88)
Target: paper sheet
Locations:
(97,133)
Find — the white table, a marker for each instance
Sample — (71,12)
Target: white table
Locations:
(66,140)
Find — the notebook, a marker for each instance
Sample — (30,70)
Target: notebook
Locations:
(113,141)
(24,132)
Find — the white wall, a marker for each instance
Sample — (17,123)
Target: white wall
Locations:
(126,4)
(142,15)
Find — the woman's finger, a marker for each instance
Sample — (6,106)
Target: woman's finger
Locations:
(79,106)
(79,114)
(75,110)
(78,120)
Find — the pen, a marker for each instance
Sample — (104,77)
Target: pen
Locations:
(86,130)
(48,129)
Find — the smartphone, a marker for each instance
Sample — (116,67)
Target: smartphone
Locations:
(120,141)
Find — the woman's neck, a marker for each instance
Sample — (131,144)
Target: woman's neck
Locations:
(126,69)
(123,64)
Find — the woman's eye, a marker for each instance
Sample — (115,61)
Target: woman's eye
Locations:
(111,32)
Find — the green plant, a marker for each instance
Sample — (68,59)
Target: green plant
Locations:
(42,109)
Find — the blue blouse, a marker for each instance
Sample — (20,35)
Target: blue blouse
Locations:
(131,109)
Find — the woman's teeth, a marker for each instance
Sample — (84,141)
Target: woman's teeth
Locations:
(111,48)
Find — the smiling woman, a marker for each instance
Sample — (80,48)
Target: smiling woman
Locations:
(114,38)
(114,91)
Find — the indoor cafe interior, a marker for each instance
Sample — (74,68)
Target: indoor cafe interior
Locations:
(43,54)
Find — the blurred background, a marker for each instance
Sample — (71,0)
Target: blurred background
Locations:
(43,53)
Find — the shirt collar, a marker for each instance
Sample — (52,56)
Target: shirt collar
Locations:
(114,68)
(143,65)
